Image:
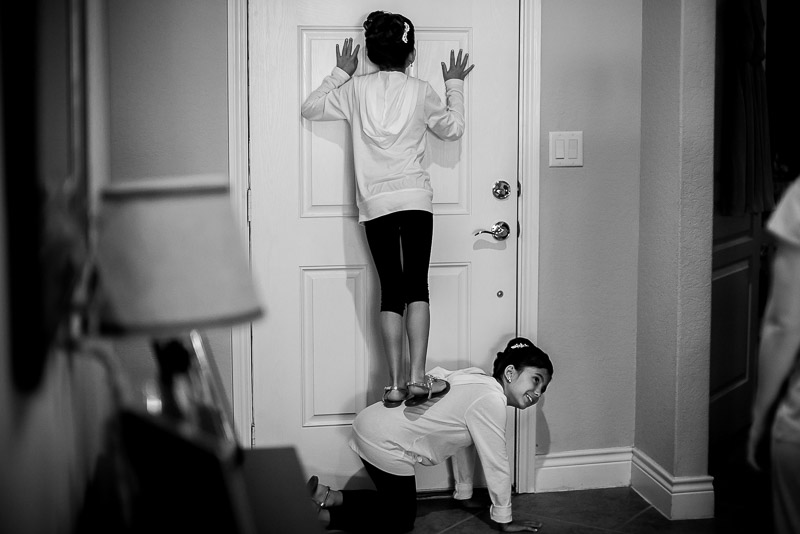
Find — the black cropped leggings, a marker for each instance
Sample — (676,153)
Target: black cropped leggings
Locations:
(391,508)
(400,244)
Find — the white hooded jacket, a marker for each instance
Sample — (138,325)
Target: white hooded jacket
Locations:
(468,421)
(389,113)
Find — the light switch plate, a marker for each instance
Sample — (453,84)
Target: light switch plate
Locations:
(566,149)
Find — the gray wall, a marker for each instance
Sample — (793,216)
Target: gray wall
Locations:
(168,113)
(624,289)
(589,223)
(168,87)
(672,377)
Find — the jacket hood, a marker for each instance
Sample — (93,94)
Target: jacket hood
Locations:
(389,101)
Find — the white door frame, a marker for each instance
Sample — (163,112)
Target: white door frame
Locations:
(528,211)
(530,56)
(238,172)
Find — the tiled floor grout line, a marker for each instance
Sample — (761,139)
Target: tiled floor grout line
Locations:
(634,517)
(454,525)
(542,518)
(569,520)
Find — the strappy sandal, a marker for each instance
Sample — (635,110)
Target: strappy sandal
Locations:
(393,403)
(312,485)
(416,400)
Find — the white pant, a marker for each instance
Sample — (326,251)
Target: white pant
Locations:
(786,486)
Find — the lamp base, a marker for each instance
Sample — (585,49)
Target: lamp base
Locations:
(189,483)
(190,387)
(184,480)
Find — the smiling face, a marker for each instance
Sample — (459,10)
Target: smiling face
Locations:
(524,388)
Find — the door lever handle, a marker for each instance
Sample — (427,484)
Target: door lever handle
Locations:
(500,231)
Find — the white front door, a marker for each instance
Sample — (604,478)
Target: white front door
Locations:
(317,355)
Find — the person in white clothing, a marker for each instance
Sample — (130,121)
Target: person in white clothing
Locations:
(774,438)
(390,113)
(469,420)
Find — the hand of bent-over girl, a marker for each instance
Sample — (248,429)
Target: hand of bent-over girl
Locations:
(347,60)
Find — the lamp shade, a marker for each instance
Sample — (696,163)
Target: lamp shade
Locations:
(170,257)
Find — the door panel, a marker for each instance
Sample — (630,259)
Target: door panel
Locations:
(735,323)
(333,304)
(317,355)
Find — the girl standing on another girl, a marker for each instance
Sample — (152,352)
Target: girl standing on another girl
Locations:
(389,113)
(469,421)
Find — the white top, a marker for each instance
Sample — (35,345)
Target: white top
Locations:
(785,224)
(389,113)
(470,417)
(785,220)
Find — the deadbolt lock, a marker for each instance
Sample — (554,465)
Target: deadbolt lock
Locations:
(501,190)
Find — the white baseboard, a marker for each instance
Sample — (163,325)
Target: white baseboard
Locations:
(675,497)
(588,469)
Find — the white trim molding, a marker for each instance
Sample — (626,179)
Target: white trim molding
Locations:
(238,170)
(530,53)
(675,497)
(586,469)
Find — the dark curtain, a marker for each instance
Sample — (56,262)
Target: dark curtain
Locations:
(784,104)
(745,177)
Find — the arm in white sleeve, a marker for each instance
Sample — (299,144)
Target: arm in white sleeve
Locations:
(327,103)
(447,122)
(486,422)
(463,471)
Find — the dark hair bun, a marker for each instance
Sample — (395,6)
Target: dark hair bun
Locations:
(372,19)
(521,352)
(389,39)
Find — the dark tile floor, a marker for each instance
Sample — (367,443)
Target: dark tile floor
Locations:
(612,510)
(588,511)
(741,506)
